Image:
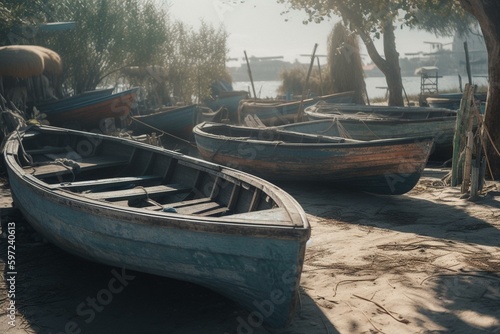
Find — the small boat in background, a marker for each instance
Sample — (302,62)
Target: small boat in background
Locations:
(453,100)
(388,166)
(88,113)
(67,102)
(139,207)
(176,121)
(230,100)
(272,112)
(383,122)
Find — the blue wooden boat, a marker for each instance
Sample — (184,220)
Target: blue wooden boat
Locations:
(382,122)
(88,113)
(68,102)
(271,112)
(230,100)
(139,207)
(453,100)
(174,120)
(388,166)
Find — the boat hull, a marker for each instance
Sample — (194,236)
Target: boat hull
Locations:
(89,114)
(175,121)
(229,100)
(272,113)
(390,166)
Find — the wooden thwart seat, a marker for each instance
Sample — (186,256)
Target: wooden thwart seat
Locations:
(139,192)
(200,206)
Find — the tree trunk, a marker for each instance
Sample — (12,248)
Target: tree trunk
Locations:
(487,13)
(390,65)
(393,71)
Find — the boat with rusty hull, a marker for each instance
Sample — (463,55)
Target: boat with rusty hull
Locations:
(136,206)
(88,113)
(389,166)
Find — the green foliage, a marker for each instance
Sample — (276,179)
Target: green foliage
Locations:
(113,35)
(109,35)
(293,81)
(199,58)
(344,62)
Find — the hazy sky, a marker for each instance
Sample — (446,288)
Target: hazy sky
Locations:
(257,27)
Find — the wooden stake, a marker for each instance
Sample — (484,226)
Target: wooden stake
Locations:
(304,89)
(250,75)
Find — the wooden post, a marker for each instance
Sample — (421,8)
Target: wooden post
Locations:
(320,78)
(468,161)
(467,62)
(304,89)
(457,140)
(250,75)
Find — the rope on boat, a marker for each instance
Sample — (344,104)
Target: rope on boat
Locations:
(152,201)
(342,131)
(368,128)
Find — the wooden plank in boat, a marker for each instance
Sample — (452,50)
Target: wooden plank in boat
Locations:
(118,181)
(139,192)
(48,150)
(189,202)
(277,216)
(198,208)
(85,164)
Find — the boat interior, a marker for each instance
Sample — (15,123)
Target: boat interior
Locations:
(139,176)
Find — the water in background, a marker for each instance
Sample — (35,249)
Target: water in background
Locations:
(268,89)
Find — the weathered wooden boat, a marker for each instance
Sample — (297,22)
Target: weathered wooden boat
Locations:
(68,102)
(389,166)
(89,113)
(322,110)
(382,122)
(139,207)
(229,100)
(271,112)
(173,120)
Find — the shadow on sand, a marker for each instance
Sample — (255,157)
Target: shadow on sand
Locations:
(59,293)
(469,301)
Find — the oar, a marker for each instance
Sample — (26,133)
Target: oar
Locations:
(304,89)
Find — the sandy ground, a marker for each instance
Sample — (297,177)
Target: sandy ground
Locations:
(424,262)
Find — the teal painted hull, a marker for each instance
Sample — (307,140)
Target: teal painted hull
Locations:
(176,121)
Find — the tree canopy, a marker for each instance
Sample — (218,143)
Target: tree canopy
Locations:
(111,35)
